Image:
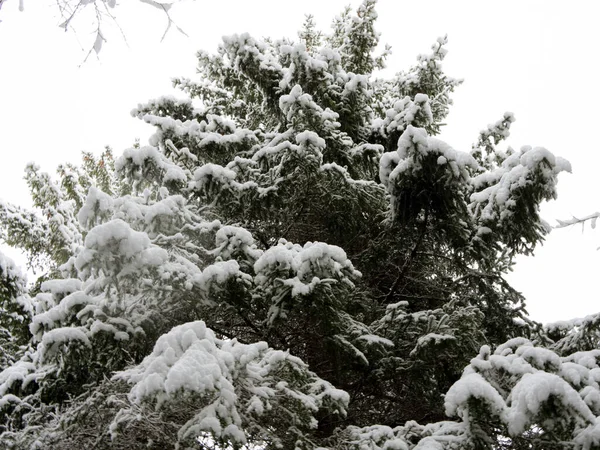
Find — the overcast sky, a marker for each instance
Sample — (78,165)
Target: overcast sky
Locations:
(538,59)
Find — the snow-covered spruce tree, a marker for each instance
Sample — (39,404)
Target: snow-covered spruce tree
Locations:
(297,262)
(15,312)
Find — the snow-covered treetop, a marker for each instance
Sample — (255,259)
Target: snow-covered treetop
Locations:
(295,260)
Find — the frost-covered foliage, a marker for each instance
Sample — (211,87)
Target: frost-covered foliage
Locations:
(228,389)
(50,233)
(531,395)
(295,260)
(16,312)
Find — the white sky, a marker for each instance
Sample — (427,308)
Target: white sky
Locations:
(538,59)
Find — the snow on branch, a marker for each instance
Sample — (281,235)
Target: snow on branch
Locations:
(592,218)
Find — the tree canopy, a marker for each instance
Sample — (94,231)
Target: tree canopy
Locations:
(294,261)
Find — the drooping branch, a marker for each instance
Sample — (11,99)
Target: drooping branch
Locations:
(410,258)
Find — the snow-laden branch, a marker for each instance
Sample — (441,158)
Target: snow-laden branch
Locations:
(592,218)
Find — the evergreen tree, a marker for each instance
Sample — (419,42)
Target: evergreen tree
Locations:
(294,261)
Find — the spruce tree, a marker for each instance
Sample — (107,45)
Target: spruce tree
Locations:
(294,261)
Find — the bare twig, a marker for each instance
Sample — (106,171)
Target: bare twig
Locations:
(165,7)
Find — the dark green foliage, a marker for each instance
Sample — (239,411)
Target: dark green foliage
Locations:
(295,199)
